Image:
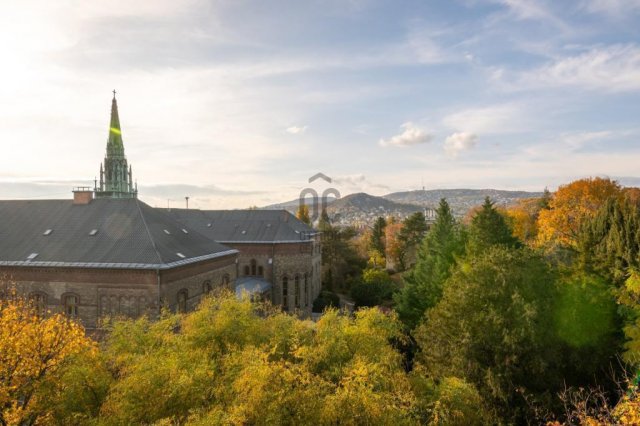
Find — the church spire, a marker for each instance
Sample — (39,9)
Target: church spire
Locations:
(116,180)
(115,146)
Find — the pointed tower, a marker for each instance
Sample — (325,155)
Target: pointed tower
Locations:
(116,179)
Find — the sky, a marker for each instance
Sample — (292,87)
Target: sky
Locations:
(237,103)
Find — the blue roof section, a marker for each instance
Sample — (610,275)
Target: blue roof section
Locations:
(251,286)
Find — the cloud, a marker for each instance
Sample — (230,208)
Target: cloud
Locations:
(532,10)
(459,142)
(295,130)
(494,119)
(411,135)
(614,68)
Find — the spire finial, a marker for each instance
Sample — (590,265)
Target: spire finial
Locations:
(114,93)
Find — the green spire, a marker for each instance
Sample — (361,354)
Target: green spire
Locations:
(115,146)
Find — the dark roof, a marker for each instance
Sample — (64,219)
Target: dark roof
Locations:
(245,226)
(129,234)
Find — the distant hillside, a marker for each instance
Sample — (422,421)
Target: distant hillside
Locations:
(362,209)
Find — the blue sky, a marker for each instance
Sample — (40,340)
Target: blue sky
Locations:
(237,103)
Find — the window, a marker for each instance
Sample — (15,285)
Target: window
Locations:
(297,290)
(71,305)
(39,302)
(225,280)
(261,271)
(47,232)
(307,296)
(285,293)
(253,267)
(246,270)
(93,232)
(182,300)
(206,287)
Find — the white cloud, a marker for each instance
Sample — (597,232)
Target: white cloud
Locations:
(295,130)
(411,135)
(459,142)
(614,68)
(493,119)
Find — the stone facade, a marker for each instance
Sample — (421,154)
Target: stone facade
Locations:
(89,294)
(277,261)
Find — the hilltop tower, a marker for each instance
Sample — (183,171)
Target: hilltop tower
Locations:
(116,179)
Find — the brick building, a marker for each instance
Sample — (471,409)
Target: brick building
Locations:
(105,252)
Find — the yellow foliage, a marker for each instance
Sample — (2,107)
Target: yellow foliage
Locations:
(32,351)
(571,206)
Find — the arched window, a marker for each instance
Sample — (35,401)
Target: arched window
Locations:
(182,300)
(39,302)
(285,293)
(206,287)
(71,302)
(307,296)
(254,267)
(261,271)
(297,290)
(246,270)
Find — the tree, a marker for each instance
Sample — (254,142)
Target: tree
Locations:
(609,242)
(489,228)
(377,235)
(303,214)
(571,206)
(393,244)
(523,218)
(437,254)
(493,329)
(413,230)
(373,289)
(33,351)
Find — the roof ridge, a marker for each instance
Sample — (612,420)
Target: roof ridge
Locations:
(146,227)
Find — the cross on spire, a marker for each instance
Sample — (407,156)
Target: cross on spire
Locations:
(114,93)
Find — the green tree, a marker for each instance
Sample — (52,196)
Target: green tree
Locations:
(493,328)
(412,232)
(377,235)
(437,254)
(373,289)
(488,228)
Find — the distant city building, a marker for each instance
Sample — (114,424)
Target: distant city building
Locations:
(107,253)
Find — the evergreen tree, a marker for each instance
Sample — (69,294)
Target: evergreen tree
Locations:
(377,235)
(489,228)
(609,244)
(438,251)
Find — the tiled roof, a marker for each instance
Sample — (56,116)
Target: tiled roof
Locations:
(248,226)
(108,233)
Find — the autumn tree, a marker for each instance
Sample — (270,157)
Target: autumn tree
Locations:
(438,251)
(303,214)
(34,348)
(571,206)
(523,218)
(393,243)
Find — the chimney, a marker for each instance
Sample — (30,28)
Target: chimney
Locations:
(82,195)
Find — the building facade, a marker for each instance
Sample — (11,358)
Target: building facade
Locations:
(107,253)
